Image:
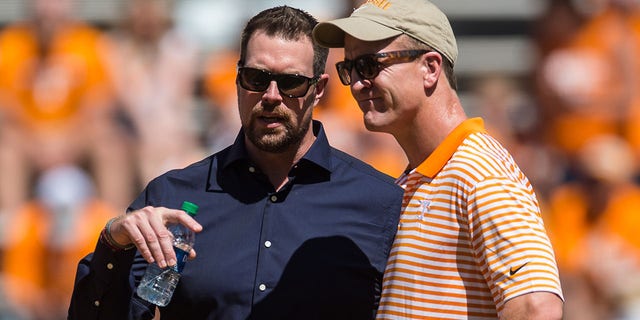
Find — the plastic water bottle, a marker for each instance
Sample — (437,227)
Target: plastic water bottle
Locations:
(158,284)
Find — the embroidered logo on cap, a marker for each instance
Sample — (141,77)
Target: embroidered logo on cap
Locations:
(382,4)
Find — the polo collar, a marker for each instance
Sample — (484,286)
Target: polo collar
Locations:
(439,157)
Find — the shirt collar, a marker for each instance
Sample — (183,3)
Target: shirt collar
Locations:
(439,157)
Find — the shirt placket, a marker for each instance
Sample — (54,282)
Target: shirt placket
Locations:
(266,272)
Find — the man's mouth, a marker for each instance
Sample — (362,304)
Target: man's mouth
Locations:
(271,121)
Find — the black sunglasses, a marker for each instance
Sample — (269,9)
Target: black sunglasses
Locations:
(368,66)
(290,85)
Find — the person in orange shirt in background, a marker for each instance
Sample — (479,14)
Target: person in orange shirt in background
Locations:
(57,119)
(593,222)
(587,85)
(47,237)
(56,105)
(221,99)
(589,82)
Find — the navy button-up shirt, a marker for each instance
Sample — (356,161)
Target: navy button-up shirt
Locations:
(316,249)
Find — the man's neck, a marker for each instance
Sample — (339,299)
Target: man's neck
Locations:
(428,131)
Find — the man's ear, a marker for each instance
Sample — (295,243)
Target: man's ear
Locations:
(321,85)
(432,62)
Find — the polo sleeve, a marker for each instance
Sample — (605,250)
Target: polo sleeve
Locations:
(513,248)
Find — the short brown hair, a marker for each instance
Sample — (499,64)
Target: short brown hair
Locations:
(288,23)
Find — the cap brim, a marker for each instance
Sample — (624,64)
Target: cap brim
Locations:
(331,34)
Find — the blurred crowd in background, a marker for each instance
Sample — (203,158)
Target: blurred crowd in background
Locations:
(90,113)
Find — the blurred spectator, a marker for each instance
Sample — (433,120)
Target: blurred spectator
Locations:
(154,72)
(593,222)
(555,26)
(513,118)
(49,236)
(220,91)
(63,157)
(56,107)
(588,84)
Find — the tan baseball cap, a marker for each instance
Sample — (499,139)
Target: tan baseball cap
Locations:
(382,19)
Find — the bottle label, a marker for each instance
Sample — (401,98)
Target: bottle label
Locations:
(182,257)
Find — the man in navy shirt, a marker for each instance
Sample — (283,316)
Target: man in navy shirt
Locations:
(288,226)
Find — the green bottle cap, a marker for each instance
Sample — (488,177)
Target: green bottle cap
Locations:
(190,208)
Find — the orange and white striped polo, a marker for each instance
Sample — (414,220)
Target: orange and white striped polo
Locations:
(470,237)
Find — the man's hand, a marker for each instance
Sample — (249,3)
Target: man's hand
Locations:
(146,228)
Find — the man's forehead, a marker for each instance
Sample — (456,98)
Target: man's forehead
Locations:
(279,54)
(355,47)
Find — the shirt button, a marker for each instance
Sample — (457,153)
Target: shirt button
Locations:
(110,266)
(274,198)
(262,287)
(267,244)
(96,303)
(252,169)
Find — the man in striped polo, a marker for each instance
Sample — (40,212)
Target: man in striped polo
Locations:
(471,243)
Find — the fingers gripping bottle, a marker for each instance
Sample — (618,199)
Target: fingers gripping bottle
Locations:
(158,284)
